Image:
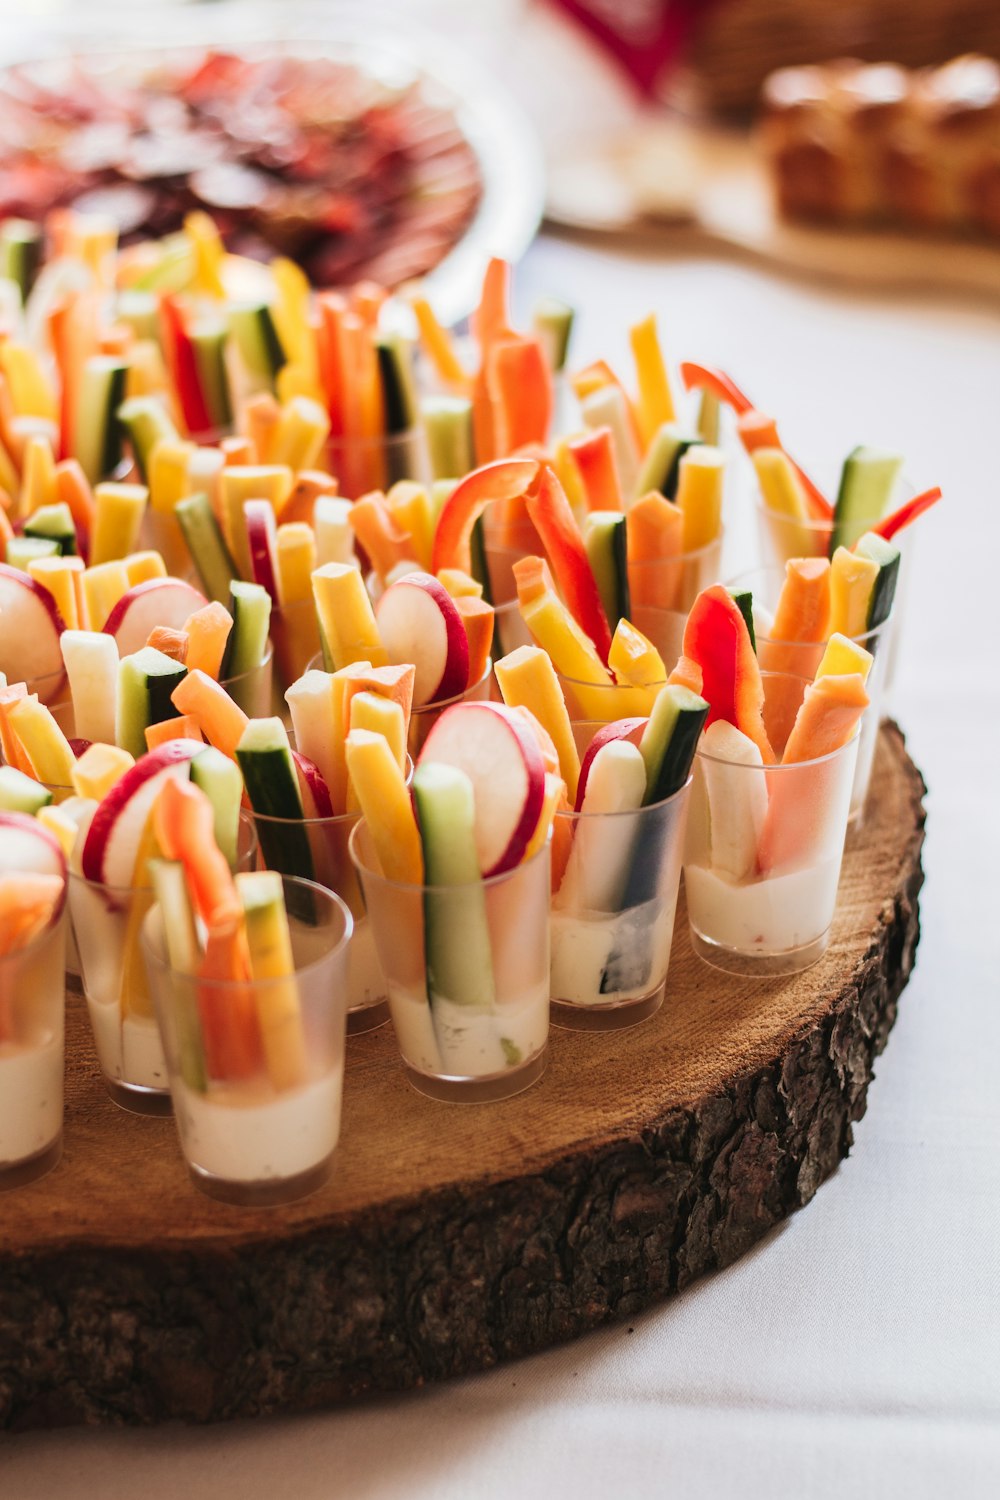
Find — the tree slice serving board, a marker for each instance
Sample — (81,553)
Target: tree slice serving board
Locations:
(455,1236)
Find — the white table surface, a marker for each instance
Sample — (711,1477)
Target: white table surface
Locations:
(855,1351)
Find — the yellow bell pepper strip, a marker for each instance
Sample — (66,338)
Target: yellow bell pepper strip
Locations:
(508,480)
(593,454)
(385,801)
(759,431)
(717,639)
(555,523)
(634,659)
(528,679)
(656,401)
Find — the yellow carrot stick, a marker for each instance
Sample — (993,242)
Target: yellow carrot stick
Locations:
(385,801)
(656,402)
(440,349)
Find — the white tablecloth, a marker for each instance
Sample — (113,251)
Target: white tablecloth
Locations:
(856,1351)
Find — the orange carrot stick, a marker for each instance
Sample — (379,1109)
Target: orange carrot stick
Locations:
(221,721)
(520,392)
(181,728)
(173,643)
(207,632)
(378,532)
(654,539)
(478,619)
(829,714)
(801,619)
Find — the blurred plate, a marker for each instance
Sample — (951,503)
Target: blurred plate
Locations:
(385,45)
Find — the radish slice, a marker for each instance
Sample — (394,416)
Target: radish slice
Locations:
(28,848)
(313,789)
(503,760)
(30,627)
(262,544)
(158,601)
(418,623)
(621,729)
(112,843)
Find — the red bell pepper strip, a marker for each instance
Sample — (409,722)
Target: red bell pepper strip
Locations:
(705,378)
(907,513)
(556,525)
(758,431)
(519,387)
(717,640)
(183,365)
(507,480)
(594,455)
(332,306)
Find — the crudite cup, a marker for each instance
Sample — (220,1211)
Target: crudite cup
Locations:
(285,844)
(662,591)
(361,464)
(468,973)
(424,716)
(763,849)
(783,537)
(32,1017)
(107,924)
(269,1135)
(613,911)
(801,659)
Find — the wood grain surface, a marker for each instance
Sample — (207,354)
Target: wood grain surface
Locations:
(455,1236)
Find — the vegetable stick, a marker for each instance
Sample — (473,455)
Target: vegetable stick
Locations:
(700,475)
(759,431)
(478,619)
(58,575)
(240,483)
(380,534)
(91,660)
(527,679)
(238,449)
(555,797)
(556,525)
(704,378)
(656,402)
(654,533)
(593,454)
(13,752)
(42,741)
(907,514)
(98,769)
(609,407)
(310,485)
(28,902)
(38,476)
(382,716)
(520,390)
(331,307)
(801,617)
(310,703)
(843,657)
(279,1011)
(334,533)
(169,474)
(346,617)
(437,342)
(140,567)
(737,798)
(716,637)
(101,586)
(409,505)
(300,435)
(597,869)
(260,416)
(184,727)
(634,659)
(173,643)
(221,721)
(827,717)
(207,632)
(118,513)
(852,579)
(385,801)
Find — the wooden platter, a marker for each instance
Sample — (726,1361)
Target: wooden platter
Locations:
(706,189)
(455,1236)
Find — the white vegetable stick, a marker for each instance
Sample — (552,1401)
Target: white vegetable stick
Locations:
(737,798)
(310,702)
(334,533)
(606,407)
(597,868)
(91,660)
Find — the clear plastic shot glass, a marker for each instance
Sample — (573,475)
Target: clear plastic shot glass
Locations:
(361,464)
(763,849)
(468,973)
(801,659)
(615,881)
(256,1070)
(662,591)
(321,845)
(32,1026)
(107,924)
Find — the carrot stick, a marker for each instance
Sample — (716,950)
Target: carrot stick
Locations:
(181,728)
(221,721)
(594,456)
(827,717)
(378,532)
(437,342)
(491,319)
(801,619)
(331,306)
(520,393)
(654,533)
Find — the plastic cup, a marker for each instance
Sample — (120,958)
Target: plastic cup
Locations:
(107,923)
(267,1136)
(32,1028)
(288,844)
(763,849)
(661,593)
(802,659)
(479,1030)
(361,464)
(613,911)
(295,633)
